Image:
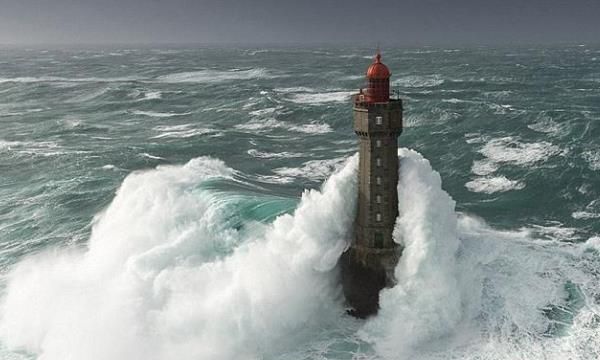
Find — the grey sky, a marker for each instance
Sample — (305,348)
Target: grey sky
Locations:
(400,22)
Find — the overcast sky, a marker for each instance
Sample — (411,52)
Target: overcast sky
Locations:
(398,22)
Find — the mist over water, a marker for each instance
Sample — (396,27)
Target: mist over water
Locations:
(193,204)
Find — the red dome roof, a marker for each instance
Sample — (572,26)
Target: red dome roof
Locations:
(378,70)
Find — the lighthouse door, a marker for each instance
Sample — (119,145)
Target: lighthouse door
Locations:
(378,240)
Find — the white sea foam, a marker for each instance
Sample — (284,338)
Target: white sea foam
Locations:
(295,89)
(19,112)
(506,150)
(268,123)
(266,111)
(165,277)
(413,120)
(261,124)
(425,304)
(475,138)
(456,101)
(491,185)
(30,79)
(585,215)
(71,122)
(270,155)
(321,98)
(152,95)
(182,131)
(312,128)
(593,243)
(419,81)
(313,169)
(153,157)
(159,114)
(500,108)
(593,159)
(215,76)
(546,125)
(484,167)
(511,150)
(88,96)
(555,231)
(353,77)
(354,56)
(35,148)
(274,179)
(8,145)
(466,291)
(162,277)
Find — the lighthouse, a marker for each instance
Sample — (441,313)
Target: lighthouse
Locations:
(368,264)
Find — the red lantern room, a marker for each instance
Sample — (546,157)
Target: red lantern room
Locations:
(378,77)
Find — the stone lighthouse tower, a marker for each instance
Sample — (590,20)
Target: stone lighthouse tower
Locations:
(368,265)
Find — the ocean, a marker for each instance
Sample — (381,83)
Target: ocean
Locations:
(192,203)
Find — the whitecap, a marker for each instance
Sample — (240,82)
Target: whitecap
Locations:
(585,215)
(413,120)
(153,157)
(321,98)
(593,243)
(484,167)
(312,128)
(266,111)
(261,124)
(20,112)
(313,169)
(546,125)
(295,89)
(180,131)
(475,138)
(593,159)
(8,145)
(419,81)
(556,232)
(511,150)
(269,123)
(500,108)
(88,96)
(159,114)
(491,185)
(456,101)
(36,148)
(42,79)
(152,95)
(215,76)
(271,155)
(274,179)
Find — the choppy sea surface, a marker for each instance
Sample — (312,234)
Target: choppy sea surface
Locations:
(172,203)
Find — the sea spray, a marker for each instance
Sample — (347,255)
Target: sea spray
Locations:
(152,286)
(424,304)
(167,276)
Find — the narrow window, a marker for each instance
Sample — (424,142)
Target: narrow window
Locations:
(378,180)
(379,120)
(379,199)
(378,217)
(378,161)
(378,240)
(378,143)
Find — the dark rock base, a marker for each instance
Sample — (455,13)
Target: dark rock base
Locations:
(364,274)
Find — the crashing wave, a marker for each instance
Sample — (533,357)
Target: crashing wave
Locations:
(173,270)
